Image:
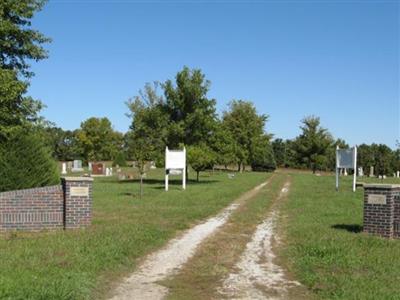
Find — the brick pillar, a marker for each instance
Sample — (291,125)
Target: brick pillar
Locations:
(77,201)
(382,209)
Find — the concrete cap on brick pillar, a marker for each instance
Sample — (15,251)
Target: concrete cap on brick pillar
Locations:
(77,178)
(381,186)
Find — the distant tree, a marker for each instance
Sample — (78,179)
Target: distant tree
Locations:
(279,148)
(262,158)
(312,144)
(192,116)
(120,160)
(19,44)
(26,163)
(97,140)
(149,121)
(245,126)
(224,146)
(200,158)
(63,144)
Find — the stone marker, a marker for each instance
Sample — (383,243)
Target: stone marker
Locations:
(345,172)
(90,166)
(371,171)
(77,166)
(64,168)
(360,172)
(398,174)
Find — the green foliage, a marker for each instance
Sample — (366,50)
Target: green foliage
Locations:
(63,144)
(191,114)
(381,157)
(119,160)
(245,126)
(279,148)
(313,144)
(18,44)
(262,158)
(26,163)
(97,140)
(200,158)
(224,146)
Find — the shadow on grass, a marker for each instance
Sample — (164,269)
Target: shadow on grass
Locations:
(171,182)
(354,228)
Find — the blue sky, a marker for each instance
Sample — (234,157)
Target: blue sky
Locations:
(334,59)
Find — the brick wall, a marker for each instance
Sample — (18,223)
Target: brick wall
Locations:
(382,210)
(51,207)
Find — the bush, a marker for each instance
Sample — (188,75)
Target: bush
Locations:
(263,159)
(119,160)
(26,163)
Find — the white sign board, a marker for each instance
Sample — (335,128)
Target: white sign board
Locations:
(175,160)
(79,191)
(347,159)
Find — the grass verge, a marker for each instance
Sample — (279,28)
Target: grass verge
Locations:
(325,247)
(83,264)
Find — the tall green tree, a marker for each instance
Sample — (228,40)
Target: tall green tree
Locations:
(19,44)
(313,143)
(200,158)
(97,140)
(246,127)
(279,148)
(149,122)
(192,115)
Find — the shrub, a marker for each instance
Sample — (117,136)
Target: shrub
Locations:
(26,163)
(119,160)
(263,159)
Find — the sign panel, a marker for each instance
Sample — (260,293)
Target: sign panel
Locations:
(79,191)
(175,160)
(345,158)
(376,199)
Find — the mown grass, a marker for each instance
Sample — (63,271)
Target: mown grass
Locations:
(325,246)
(216,257)
(83,264)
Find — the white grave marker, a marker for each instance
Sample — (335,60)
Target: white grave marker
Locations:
(175,160)
(64,168)
(346,158)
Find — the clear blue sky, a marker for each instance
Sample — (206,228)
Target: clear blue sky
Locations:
(334,59)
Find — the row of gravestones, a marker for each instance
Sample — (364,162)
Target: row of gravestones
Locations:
(94,168)
(371,173)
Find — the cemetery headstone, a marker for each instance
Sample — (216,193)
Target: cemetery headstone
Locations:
(64,168)
(97,168)
(77,166)
(398,174)
(90,166)
(360,172)
(69,165)
(371,171)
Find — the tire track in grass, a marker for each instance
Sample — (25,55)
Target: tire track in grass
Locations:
(144,283)
(257,275)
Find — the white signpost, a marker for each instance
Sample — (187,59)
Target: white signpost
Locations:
(175,160)
(346,158)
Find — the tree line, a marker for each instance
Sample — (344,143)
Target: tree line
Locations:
(174,113)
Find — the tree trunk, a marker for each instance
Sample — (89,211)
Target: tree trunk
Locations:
(141,186)
(239,164)
(198,175)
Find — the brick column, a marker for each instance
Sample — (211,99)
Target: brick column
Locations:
(382,209)
(77,201)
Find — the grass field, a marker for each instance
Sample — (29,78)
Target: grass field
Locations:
(325,246)
(84,263)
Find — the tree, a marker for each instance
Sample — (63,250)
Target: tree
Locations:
(279,148)
(313,143)
(224,146)
(26,163)
(262,158)
(200,158)
(191,114)
(245,126)
(149,121)
(18,45)
(97,140)
(63,144)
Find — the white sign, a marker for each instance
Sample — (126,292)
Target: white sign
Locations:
(346,158)
(175,160)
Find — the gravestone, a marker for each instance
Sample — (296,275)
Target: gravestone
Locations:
(97,168)
(107,171)
(345,172)
(371,171)
(64,168)
(90,166)
(69,165)
(398,174)
(77,166)
(360,172)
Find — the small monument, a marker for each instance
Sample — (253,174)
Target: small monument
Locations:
(97,168)
(90,166)
(398,174)
(360,172)
(371,171)
(77,166)
(64,168)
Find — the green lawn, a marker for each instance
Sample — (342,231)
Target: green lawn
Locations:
(326,249)
(84,263)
